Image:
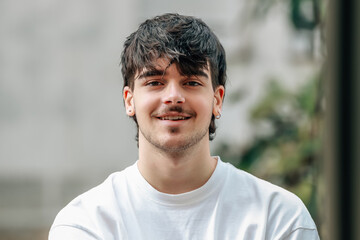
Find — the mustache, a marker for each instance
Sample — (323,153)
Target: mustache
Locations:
(172,109)
(178,109)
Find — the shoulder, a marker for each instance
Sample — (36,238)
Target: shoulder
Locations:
(282,211)
(252,186)
(88,211)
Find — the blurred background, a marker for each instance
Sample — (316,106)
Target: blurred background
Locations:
(63,128)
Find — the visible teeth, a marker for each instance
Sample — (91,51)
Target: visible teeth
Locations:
(173,118)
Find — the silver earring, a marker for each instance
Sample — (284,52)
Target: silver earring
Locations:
(218,116)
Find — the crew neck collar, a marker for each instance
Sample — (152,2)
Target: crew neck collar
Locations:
(187,198)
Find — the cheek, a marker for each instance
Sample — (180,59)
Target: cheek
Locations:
(205,106)
(144,104)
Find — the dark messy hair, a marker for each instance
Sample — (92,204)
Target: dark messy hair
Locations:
(184,40)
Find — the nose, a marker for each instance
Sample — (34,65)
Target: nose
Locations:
(173,94)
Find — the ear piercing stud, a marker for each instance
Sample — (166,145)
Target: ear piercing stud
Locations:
(218,116)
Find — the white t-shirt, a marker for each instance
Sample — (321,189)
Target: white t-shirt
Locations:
(231,205)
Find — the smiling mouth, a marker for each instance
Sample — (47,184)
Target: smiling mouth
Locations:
(173,118)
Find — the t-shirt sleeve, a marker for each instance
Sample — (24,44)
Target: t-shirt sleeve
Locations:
(289,219)
(74,222)
(69,232)
(303,233)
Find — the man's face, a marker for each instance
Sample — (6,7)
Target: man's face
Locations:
(173,111)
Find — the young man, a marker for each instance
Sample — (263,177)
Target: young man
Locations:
(174,74)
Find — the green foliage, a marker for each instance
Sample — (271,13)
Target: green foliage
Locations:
(303,14)
(288,125)
(301,18)
(285,151)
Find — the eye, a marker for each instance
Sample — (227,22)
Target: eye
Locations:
(193,83)
(153,83)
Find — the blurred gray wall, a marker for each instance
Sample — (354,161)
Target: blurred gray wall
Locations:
(61,122)
(63,128)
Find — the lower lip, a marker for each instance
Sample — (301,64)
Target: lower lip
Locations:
(173,123)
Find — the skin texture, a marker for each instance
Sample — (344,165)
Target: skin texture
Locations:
(173,113)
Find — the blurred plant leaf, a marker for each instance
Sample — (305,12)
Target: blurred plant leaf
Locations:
(287,155)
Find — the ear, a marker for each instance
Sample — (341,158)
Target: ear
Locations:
(218,100)
(129,101)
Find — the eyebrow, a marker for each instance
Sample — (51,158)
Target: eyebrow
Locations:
(151,73)
(158,72)
(201,73)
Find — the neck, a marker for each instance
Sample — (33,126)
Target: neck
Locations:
(176,172)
